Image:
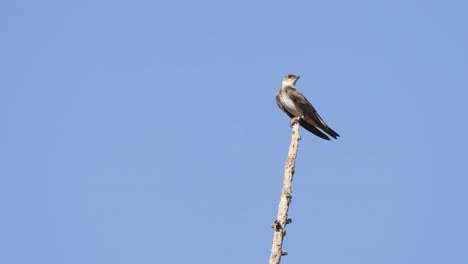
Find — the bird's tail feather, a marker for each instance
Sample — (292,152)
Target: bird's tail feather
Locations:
(331,132)
(313,130)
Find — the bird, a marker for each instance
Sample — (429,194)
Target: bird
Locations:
(295,104)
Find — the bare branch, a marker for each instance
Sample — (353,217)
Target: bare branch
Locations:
(286,195)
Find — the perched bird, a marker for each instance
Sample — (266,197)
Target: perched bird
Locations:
(294,104)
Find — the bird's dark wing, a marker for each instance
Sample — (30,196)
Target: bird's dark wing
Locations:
(302,122)
(311,114)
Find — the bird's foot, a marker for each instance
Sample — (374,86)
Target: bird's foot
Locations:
(294,120)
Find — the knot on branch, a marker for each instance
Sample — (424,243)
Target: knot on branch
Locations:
(284,253)
(277,225)
(288,195)
(289,221)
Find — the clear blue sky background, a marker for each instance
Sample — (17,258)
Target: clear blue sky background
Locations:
(147,131)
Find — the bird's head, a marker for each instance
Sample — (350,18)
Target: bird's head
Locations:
(290,79)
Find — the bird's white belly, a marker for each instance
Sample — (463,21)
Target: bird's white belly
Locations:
(290,106)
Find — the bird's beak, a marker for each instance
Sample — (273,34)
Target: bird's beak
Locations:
(298,77)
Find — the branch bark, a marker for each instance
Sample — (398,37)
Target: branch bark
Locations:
(286,194)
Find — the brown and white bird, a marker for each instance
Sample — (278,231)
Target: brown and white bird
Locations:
(294,104)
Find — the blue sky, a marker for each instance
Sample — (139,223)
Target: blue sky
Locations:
(147,131)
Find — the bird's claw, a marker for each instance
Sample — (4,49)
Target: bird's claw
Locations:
(294,120)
